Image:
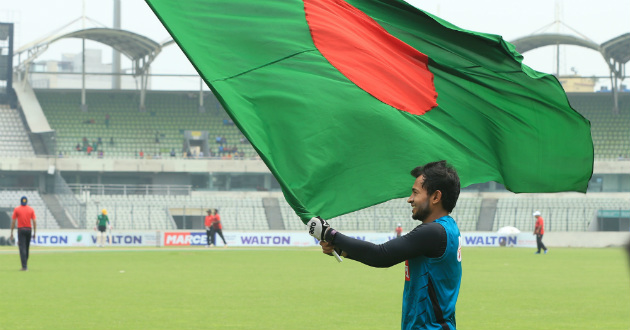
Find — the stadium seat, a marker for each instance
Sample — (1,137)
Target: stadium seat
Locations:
(168,115)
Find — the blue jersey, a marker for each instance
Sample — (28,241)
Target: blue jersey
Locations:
(432,285)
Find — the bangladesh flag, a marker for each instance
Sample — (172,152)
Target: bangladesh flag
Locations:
(341,99)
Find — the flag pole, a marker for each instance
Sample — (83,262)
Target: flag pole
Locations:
(337,256)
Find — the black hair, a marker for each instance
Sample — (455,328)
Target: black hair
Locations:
(443,177)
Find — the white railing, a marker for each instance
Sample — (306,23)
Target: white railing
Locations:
(124,189)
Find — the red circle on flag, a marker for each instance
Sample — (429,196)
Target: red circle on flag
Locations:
(365,53)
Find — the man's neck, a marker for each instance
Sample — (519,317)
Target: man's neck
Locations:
(435,215)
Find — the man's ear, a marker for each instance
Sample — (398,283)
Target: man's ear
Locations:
(436,197)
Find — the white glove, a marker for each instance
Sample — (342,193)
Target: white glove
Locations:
(318,227)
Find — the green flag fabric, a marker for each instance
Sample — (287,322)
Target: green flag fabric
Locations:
(342,99)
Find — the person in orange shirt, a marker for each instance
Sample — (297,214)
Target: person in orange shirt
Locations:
(208,224)
(539,231)
(25,216)
(217,228)
(399,230)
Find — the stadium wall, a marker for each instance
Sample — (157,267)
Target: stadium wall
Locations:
(586,239)
(172,238)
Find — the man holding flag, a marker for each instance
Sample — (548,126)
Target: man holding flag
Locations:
(382,75)
(431,251)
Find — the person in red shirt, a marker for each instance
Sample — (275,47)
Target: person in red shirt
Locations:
(25,216)
(217,228)
(399,230)
(208,224)
(539,231)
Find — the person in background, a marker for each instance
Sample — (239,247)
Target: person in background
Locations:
(102,222)
(208,224)
(217,228)
(539,231)
(431,251)
(27,226)
(398,230)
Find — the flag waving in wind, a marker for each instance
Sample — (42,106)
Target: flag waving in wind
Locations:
(341,99)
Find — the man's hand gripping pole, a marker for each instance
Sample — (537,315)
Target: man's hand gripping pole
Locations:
(318,228)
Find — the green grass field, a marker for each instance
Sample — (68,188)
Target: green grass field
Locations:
(502,288)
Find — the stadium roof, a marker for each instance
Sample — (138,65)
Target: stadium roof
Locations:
(168,43)
(617,48)
(616,51)
(130,44)
(140,49)
(528,43)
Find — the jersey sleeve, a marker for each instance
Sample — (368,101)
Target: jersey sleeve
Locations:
(425,240)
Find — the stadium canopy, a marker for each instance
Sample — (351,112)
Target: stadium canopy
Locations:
(616,52)
(528,43)
(167,43)
(132,45)
(140,49)
(617,49)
